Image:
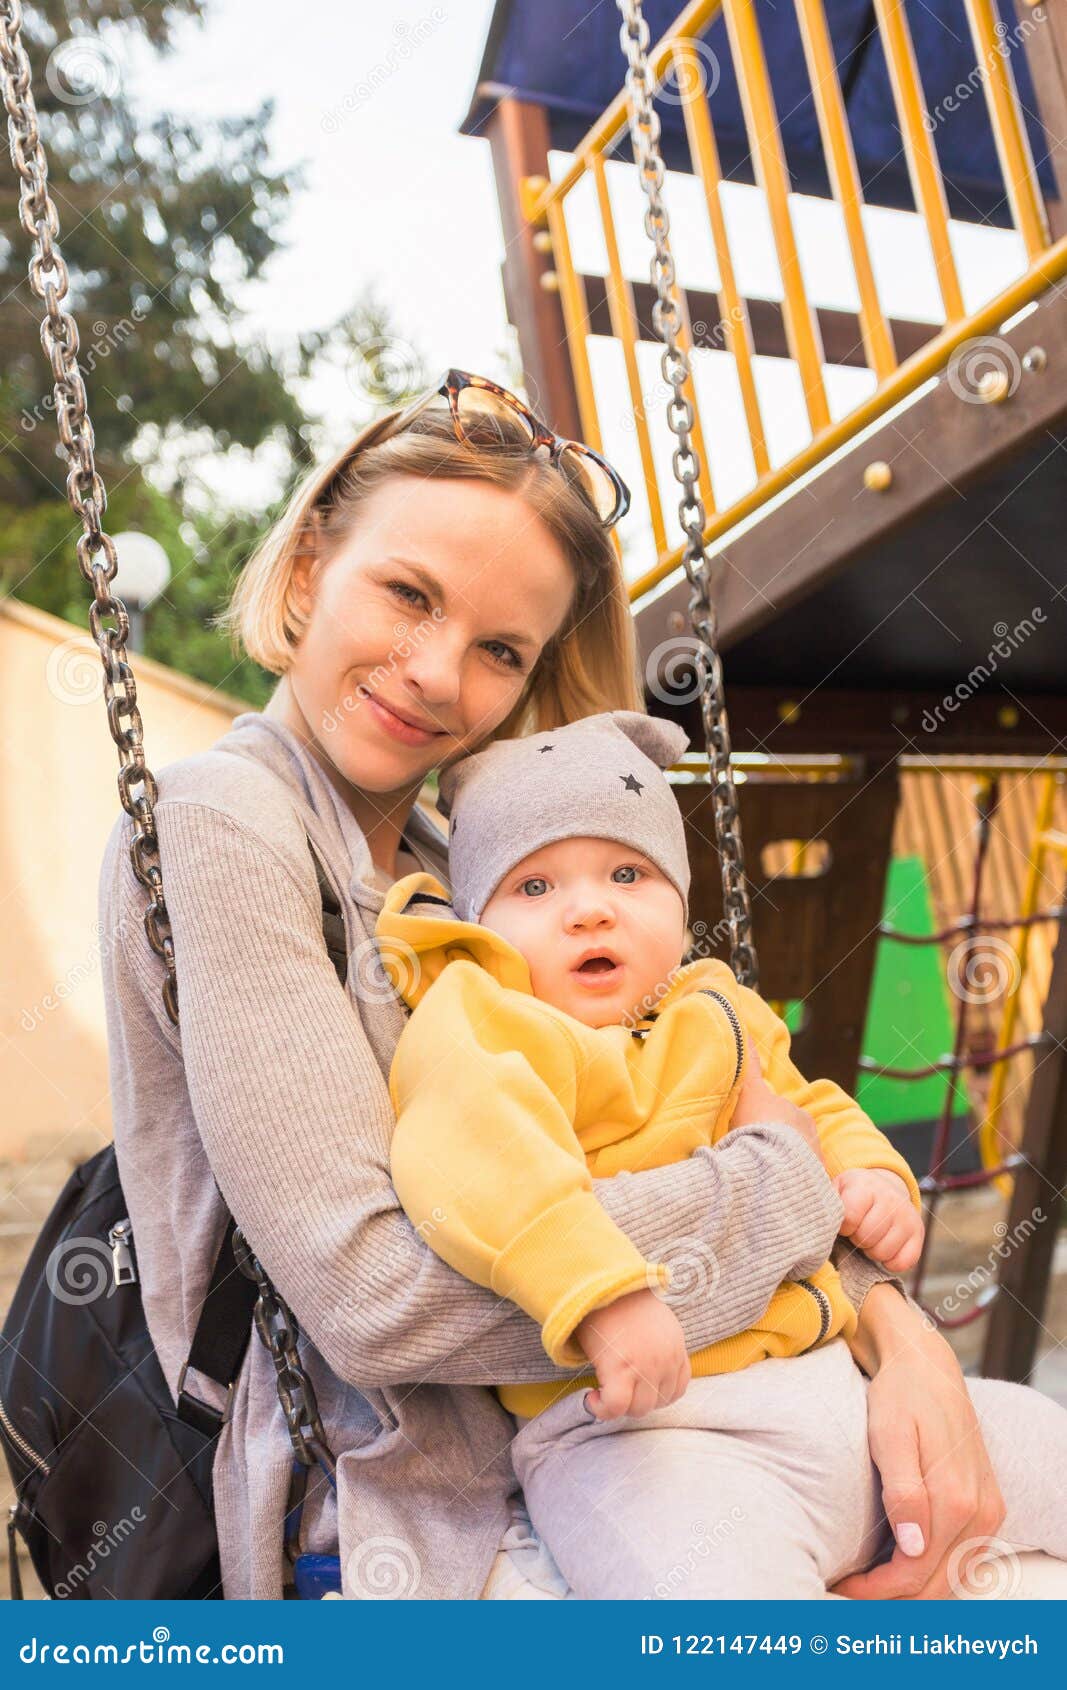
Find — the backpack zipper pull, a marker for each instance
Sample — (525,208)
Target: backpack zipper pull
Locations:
(119,1238)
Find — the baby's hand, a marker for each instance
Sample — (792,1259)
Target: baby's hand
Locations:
(638,1350)
(880,1216)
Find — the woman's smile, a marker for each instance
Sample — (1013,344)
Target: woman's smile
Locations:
(399,727)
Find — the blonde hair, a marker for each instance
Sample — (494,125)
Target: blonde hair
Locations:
(588,666)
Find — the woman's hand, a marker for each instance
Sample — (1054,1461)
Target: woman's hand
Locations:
(938,1486)
(757,1104)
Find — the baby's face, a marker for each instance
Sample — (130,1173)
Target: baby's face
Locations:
(601,927)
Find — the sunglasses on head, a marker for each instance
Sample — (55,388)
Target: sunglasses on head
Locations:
(474,402)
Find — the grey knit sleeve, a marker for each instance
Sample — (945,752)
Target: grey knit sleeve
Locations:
(293,1111)
(859,1273)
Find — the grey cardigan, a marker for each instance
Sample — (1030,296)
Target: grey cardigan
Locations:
(275,1087)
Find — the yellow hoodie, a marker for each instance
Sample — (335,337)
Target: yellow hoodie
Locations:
(506,1109)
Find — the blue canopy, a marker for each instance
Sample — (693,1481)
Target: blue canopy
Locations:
(565,55)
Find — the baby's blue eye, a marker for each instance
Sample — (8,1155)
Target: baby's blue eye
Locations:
(626,868)
(534,880)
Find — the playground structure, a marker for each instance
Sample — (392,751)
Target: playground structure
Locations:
(845,688)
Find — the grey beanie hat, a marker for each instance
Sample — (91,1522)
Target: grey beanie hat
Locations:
(600,777)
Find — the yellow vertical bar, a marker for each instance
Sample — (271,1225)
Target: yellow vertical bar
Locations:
(733,311)
(923,168)
(761,123)
(575,321)
(844,179)
(696,432)
(989,1143)
(1009,130)
(624,328)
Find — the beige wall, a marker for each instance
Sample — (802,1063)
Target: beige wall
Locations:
(58,767)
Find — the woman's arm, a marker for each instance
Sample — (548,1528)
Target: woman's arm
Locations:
(938,1485)
(292,1107)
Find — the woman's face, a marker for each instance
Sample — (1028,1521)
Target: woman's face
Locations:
(425,624)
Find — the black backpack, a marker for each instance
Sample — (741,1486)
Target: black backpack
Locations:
(112,1477)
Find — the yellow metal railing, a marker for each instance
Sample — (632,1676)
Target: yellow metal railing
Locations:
(1046,261)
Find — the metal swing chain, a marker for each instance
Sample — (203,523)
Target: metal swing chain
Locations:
(645,133)
(109,624)
(108,621)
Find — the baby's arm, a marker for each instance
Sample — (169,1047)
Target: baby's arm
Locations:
(881,1197)
(486,1162)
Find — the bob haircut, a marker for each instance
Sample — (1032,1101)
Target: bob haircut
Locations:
(588,666)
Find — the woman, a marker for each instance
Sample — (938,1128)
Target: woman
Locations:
(447,579)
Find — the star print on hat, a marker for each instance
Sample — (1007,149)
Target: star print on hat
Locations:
(604,779)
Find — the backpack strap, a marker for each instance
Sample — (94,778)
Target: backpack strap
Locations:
(225,1324)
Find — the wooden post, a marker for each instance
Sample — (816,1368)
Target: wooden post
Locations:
(1033,1222)
(1043,31)
(518,134)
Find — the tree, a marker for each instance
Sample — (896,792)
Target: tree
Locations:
(160,224)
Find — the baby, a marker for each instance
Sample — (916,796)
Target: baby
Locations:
(557,1036)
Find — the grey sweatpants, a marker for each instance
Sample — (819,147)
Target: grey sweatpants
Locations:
(759,1484)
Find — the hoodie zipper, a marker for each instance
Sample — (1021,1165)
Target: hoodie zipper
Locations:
(20,1442)
(824,1308)
(735,1022)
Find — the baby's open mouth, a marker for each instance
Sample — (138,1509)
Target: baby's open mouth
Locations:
(594,965)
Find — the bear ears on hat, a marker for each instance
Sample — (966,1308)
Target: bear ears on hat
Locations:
(661,741)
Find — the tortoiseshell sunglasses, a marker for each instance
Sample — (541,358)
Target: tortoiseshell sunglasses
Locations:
(472,399)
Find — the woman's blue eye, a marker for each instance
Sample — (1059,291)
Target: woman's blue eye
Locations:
(511,658)
(626,868)
(534,880)
(401,587)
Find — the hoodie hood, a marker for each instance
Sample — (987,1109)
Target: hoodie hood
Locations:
(419,934)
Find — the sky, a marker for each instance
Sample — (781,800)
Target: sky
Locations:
(368,100)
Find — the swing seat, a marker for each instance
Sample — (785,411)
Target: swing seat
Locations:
(316,1576)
